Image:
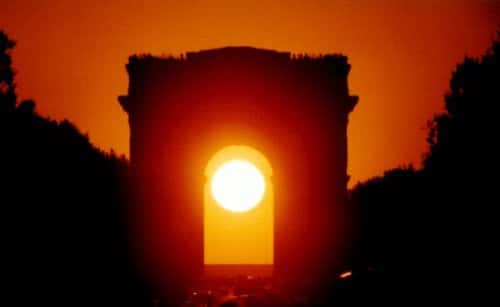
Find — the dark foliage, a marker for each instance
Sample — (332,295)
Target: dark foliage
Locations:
(63,209)
(428,231)
(7,86)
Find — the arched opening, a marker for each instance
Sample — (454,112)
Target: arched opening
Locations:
(238,212)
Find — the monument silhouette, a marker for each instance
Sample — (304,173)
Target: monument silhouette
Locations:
(294,109)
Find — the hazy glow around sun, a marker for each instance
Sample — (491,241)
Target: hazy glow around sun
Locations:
(238,185)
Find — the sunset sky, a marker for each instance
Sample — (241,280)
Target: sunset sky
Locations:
(71,57)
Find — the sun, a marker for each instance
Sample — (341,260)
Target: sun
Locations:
(238,185)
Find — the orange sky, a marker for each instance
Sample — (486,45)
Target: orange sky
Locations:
(70,57)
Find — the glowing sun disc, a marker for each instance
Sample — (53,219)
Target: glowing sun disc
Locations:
(238,185)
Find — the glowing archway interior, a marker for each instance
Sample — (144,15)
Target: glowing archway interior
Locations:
(239,152)
(238,208)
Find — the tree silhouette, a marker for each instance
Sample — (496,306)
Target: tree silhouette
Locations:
(458,167)
(63,208)
(428,230)
(7,86)
(458,138)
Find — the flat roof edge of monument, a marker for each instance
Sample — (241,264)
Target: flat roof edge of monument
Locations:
(322,57)
(147,58)
(336,63)
(337,60)
(138,62)
(236,50)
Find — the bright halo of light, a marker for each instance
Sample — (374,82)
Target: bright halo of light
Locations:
(238,185)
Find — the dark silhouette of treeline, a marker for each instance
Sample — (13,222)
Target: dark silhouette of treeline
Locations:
(429,232)
(63,209)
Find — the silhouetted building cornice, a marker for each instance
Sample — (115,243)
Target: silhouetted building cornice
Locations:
(318,69)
